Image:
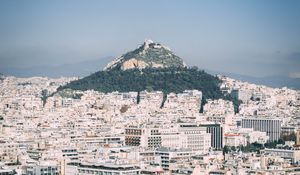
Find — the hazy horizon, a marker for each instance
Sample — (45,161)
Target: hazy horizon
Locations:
(253,38)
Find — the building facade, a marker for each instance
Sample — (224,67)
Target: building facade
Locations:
(217,134)
(269,125)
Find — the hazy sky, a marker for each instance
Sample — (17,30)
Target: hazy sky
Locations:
(258,38)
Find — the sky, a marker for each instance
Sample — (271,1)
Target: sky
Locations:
(255,38)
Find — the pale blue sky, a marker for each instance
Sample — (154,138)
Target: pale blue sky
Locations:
(258,38)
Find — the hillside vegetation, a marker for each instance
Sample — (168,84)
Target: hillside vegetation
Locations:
(166,80)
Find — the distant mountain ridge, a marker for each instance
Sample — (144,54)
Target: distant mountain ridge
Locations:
(79,69)
(149,54)
(1,76)
(278,81)
(85,68)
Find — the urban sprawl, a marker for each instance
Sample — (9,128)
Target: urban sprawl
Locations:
(126,133)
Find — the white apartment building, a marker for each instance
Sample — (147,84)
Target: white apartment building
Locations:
(166,155)
(194,137)
(271,126)
(85,168)
(291,154)
(242,136)
(43,168)
(235,140)
(8,151)
(182,135)
(189,100)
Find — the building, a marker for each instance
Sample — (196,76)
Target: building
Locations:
(222,119)
(43,168)
(242,94)
(168,155)
(102,168)
(194,137)
(288,130)
(133,136)
(8,151)
(182,135)
(291,154)
(217,134)
(189,100)
(143,136)
(298,138)
(243,136)
(70,153)
(269,125)
(7,171)
(234,139)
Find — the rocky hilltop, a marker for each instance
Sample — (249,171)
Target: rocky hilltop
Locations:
(149,55)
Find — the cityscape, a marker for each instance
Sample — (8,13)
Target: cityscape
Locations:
(148,111)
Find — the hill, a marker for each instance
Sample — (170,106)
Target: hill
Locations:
(151,67)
